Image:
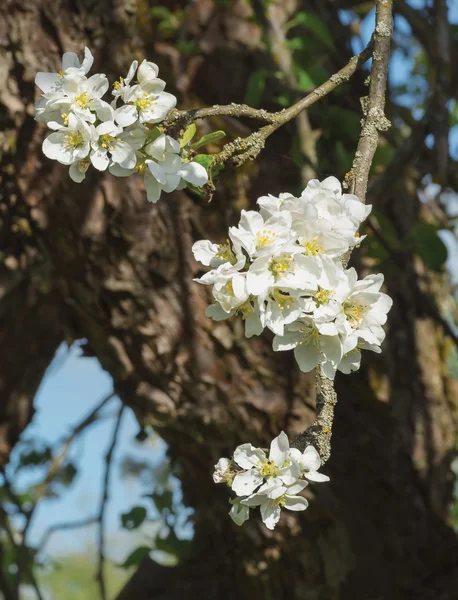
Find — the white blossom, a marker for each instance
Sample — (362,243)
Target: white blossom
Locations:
(309,462)
(273,496)
(221,469)
(259,466)
(271,482)
(71,143)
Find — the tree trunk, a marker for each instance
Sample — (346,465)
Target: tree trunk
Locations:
(97,261)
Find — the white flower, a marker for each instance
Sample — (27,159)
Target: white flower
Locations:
(121,145)
(258,237)
(248,310)
(51,83)
(146,102)
(221,468)
(78,170)
(311,348)
(121,86)
(309,462)
(167,167)
(260,467)
(83,97)
(69,144)
(239,513)
(273,496)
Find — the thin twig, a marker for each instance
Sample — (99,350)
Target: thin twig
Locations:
(374,120)
(243,149)
(225,110)
(101,514)
(67,442)
(63,527)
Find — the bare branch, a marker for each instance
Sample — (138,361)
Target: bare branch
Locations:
(66,525)
(374,120)
(176,117)
(60,457)
(373,106)
(243,149)
(101,514)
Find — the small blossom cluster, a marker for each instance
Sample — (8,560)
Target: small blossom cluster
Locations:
(124,139)
(281,268)
(272,481)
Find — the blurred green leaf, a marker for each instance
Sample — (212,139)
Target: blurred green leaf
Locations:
(136,557)
(173,545)
(162,500)
(134,518)
(429,245)
(304,81)
(314,24)
(210,138)
(255,87)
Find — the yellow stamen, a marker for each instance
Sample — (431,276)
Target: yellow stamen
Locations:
(143,103)
(322,296)
(83,100)
(119,84)
(268,468)
(228,288)
(279,266)
(60,75)
(73,140)
(106,141)
(225,253)
(283,299)
(140,167)
(65,118)
(355,313)
(280,501)
(264,238)
(313,248)
(311,335)
(245,309)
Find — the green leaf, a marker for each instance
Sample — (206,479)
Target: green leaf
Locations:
(255,87)
(173,545)
(161,12)
(313,24)
(134,518)
(203,159)
(210,138)
(153,134)
(188,134)
(163,500)
(304,81)
(136,557)
(429,245)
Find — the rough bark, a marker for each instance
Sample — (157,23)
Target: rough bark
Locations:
(96,261)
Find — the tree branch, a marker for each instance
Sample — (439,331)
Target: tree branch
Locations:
(243,149)
(101,514)
(374,120)
(66,525)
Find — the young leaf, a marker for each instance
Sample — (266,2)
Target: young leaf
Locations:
(210,138)
(188,134)
(204,159)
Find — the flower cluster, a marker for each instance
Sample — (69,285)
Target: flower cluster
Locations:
(271,482)
(124,139)
(281,268)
